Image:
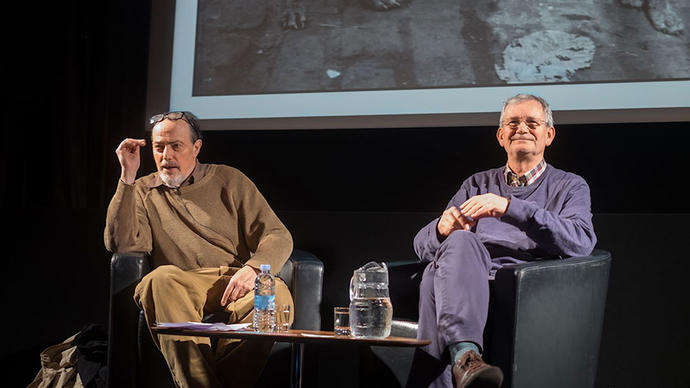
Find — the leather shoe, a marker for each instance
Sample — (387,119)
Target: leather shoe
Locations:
(472,371)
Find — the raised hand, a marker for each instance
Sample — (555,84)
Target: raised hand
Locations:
(129,156)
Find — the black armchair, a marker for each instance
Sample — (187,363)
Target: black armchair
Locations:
(544,325)
(134,360)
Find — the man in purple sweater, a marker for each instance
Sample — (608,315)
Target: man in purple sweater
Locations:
(524,210)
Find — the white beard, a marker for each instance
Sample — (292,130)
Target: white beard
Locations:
(172,181)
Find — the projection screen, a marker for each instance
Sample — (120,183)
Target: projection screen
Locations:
(251,64)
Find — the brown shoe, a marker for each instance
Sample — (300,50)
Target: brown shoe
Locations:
(472,371)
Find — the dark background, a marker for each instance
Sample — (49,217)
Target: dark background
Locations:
(75,85)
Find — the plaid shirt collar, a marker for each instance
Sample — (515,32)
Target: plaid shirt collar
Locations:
(512,179)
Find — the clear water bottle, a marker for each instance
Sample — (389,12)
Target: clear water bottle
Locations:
(265,300)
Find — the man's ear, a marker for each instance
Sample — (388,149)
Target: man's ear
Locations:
(550,135)
(499,136)
(197,147)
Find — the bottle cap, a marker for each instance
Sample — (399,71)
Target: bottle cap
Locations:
(265,267)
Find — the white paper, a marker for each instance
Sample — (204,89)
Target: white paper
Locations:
(204,326)
(317,335)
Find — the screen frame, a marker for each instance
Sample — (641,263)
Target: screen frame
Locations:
(170,79)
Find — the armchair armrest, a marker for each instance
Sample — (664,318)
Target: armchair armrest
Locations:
(597,257)
(303,273)
(126,269)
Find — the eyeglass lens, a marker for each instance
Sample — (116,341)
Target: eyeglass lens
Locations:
(530,123)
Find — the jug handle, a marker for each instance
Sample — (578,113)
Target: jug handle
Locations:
(352,288)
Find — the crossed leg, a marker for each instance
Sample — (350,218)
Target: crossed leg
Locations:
(170,294)
(454,298)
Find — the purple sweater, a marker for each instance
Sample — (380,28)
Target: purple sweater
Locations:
(551,217)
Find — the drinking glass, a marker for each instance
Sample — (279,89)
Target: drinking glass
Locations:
(283,311)
(341,321)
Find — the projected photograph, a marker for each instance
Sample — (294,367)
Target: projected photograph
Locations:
(248,47)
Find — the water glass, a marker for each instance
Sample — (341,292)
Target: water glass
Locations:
(341,321)
(283,318)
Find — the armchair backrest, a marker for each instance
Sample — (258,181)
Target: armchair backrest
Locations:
(546,320)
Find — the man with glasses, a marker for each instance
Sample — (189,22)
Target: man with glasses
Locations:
(208,230)
(524,210)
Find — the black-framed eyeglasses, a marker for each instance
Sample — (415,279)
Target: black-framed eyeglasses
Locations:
(189,117)
(155,119)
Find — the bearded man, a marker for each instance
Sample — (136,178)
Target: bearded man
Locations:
(208,229)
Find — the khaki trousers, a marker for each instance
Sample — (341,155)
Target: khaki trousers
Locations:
(170,294)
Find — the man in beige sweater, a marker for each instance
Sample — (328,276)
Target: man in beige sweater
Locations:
(208,229)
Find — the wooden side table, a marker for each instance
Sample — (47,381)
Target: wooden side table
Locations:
(297,339)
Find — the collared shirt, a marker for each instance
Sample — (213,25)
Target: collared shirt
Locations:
(199,172)
(512,179)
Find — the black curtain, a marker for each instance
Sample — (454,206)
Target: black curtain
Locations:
(75,83)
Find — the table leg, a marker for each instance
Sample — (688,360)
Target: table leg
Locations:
(297,360)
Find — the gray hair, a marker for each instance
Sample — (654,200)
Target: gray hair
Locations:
(188,117)
(518,98)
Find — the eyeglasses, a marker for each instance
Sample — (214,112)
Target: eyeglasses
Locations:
(155,119)
(181,115)
(530,123)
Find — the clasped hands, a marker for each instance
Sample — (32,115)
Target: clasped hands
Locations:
(475,208)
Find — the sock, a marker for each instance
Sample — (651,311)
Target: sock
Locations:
(459,348)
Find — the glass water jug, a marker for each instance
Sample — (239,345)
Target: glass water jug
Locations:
(371,310)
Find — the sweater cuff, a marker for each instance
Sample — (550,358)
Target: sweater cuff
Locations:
(255,268)
(121,186)
(123,193)
(434,242)
(426,241)
(255,262)
(519,211)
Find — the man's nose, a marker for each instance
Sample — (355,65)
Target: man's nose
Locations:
(167,152)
